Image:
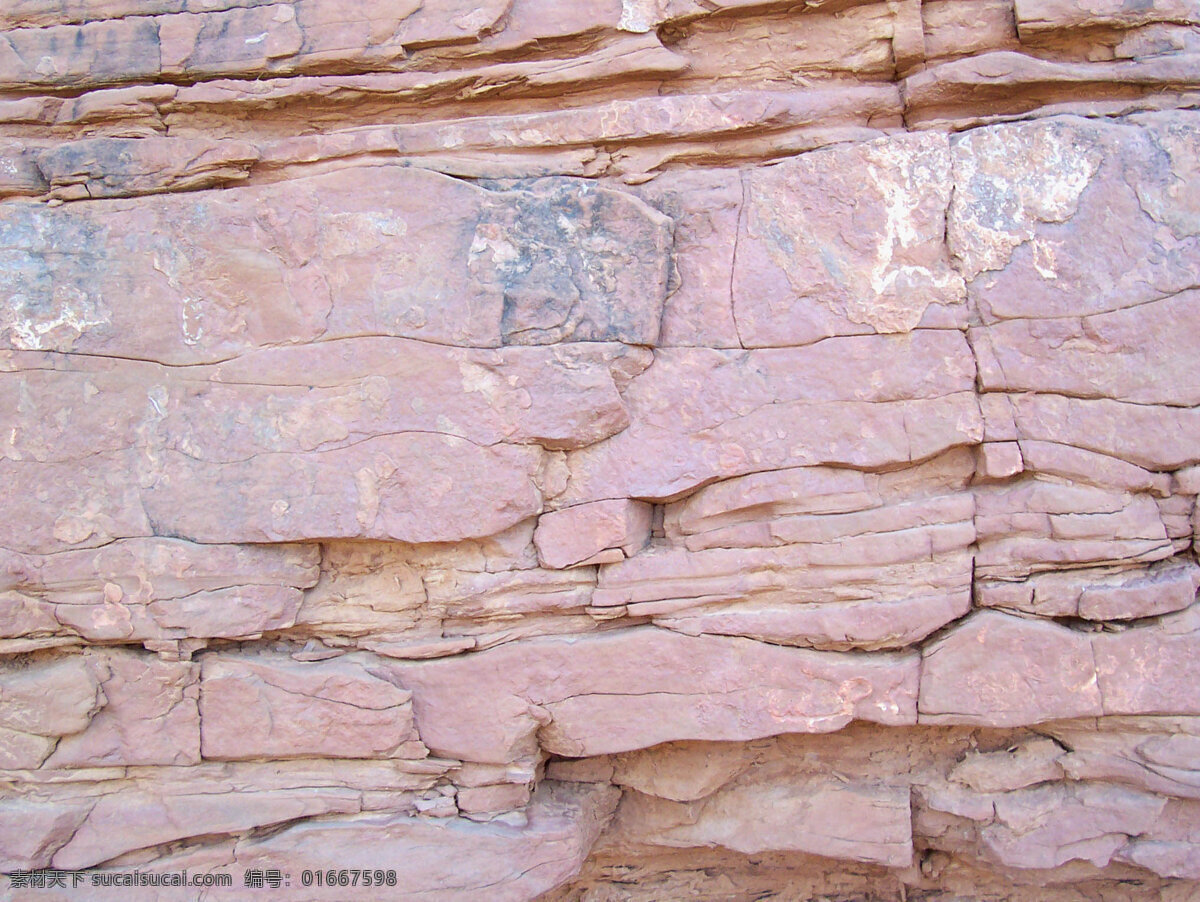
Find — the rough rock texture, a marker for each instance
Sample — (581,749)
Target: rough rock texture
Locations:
(596,451)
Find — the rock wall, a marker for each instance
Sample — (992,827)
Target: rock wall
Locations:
(639,450)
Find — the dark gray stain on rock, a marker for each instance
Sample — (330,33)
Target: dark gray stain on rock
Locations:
(575,262)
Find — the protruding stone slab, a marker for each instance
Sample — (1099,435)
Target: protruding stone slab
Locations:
(1042,524)
(202,277)
(40,703)
(446,859)
(104,707)
(1151,670)
(125,167)
(394,487)
(361,438)
(154,589)
(121,822)
(639,687)
(1143,354)
(698,415)
(828,817)
(1030,222)
(1035,17)
(598,532)
(192,41)
(266,707)
(1152,437)
(997,670)
(999,84)
(1099,594)
(837,625)
(1047,826)
(82,817)
(32,829)
(149,715)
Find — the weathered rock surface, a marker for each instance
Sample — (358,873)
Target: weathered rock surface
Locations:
(636,688)
(860,249)
(153,590)
(641,450)
(700,415)
(204,277)
(599,532)
(288,709)
(437,858)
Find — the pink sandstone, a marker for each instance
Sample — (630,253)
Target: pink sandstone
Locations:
(640,449)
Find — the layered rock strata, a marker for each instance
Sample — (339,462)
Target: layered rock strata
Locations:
(601,451)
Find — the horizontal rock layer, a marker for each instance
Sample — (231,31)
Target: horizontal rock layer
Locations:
(580,451)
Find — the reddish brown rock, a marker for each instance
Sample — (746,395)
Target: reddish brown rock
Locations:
(1140,354)
(1150,437)
(761,410)
(468,597)
(318,258)
(798,490)
(1160,591)
(123,822)
(1044,827)
(92,815)
(841,625)
(19,172)
(817,556)
(861,253)
(402,487)
(681,771)
(815,113)
(1041,524)
(243,38)
(1000,460)
(1091,468)
(955,27)
(119,167)
(1168,848)
(857,40)
(652,449)
(486,800)
(1022,233)
(1030,763)
(705,207)
(328,457)
(272,401)
(996,86)
(563,252)
(1004,670)
(360,491)
(1153,754)
(154,589)
(1099,594)
(33,829)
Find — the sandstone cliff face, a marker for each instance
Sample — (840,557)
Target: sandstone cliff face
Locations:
(601,451)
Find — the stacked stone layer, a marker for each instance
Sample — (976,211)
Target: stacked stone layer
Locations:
(595,451)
